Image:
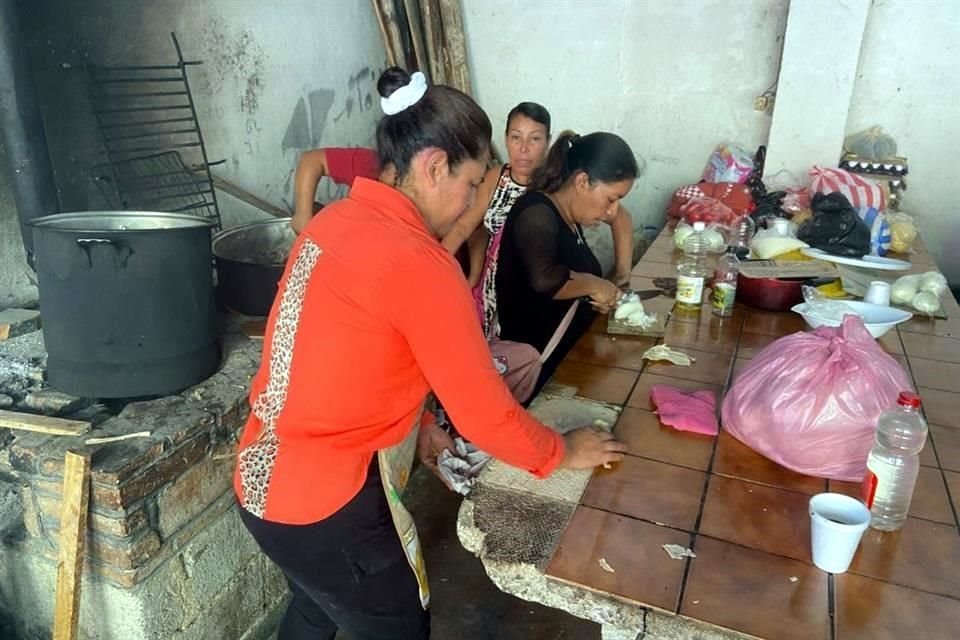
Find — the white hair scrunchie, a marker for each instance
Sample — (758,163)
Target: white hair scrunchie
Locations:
(406,96)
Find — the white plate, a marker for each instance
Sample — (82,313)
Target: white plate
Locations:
(866,262)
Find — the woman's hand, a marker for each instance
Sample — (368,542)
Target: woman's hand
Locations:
(431,441)
(588,447)
(604,295)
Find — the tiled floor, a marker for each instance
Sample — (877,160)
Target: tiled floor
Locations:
(743,515)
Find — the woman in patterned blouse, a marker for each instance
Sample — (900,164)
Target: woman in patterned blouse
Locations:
(527,139)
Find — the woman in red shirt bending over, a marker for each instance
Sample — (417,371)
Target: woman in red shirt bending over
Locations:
(341,164)
(354,343)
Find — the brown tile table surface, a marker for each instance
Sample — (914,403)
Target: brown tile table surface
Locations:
(744,516)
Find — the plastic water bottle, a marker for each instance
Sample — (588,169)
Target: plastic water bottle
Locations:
(894,463)
(741,235)
(692,271)
(725,283)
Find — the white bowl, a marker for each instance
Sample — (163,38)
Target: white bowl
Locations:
(877,319)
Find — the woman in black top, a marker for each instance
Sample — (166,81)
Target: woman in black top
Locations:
(545,262)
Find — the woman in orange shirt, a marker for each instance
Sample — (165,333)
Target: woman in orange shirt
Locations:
(354,343)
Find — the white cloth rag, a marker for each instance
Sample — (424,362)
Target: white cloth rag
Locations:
(462,467)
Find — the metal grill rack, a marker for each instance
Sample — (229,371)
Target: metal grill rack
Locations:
(156,158)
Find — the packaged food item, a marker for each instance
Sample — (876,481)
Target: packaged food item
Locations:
(729,163)
(873,144)
(771,243)
(903,232)
(879,230)
(922,292)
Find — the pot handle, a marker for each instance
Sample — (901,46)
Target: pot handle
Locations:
(122,251)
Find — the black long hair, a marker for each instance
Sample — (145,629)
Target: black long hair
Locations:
(604,157)
(444,117)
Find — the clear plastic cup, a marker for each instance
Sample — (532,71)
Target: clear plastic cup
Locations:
(837,523)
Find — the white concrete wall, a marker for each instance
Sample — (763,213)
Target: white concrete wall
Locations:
(278,77)
(907,82)
(818,69)
(673,78)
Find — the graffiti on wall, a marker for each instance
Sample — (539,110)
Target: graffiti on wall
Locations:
(361,87)
(310,117)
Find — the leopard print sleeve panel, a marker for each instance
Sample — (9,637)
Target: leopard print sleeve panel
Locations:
(256,462)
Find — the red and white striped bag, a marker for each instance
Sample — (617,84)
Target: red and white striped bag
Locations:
(859,191)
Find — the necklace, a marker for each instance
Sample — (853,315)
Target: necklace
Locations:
(580,239)
(572,225)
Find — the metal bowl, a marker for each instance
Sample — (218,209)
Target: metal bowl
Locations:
(250,262)
(265,242)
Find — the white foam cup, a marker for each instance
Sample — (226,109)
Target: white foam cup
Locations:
(878,293)
(837,523)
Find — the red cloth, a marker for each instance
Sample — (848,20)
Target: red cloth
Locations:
(694,411)
(381,317)
(344,164)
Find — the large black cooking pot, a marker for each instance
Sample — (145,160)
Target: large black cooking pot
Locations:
(250,262)
(127,301)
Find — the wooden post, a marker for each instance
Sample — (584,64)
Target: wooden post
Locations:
(433,39)
(416,35)
(391,58)
(73,533)
(458,74)
(387,16)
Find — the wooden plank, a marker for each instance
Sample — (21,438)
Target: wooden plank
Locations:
(73,533)
(43,424)
(255,329)
(433,39)
(455,46)
(620,328)
(126,436)
(247,197)
(393,42)
(391,58)
(416,35)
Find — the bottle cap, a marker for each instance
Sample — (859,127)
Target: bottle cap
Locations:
(699,226)
(909,399)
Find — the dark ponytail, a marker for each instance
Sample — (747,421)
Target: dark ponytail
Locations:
(604,157)
(444,117)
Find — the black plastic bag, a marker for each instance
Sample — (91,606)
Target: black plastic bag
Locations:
(835,227)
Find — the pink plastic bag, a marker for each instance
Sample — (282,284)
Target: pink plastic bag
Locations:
(860,192)
(810,401)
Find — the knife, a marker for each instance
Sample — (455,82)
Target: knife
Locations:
(646,294)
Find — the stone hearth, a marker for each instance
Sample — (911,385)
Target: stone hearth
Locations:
(166,554)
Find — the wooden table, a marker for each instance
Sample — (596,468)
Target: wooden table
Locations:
(743,516)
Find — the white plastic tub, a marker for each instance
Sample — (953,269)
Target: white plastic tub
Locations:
(877,319)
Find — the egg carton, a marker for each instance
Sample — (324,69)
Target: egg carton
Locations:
(894,167)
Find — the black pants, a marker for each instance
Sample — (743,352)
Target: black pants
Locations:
(348,572)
